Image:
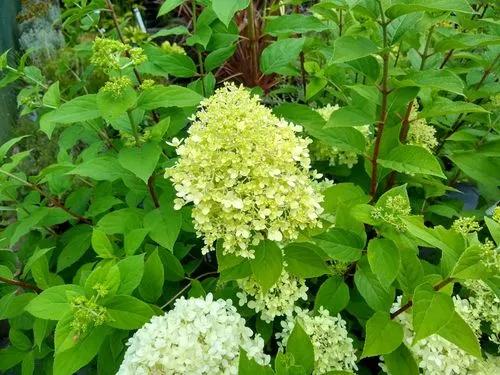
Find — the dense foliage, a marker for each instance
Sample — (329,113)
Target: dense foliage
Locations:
(260,187)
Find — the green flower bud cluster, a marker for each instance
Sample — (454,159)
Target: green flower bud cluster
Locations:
(112,54)
(392,212)
(491,256)
(172,48)
(129,140)
(466,225)
(87,313)
(117,86)
(147,84)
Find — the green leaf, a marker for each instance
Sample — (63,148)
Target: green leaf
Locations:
(71,360)
(383,335)
(303,261)
(470,264)
(127,312)
(465,41)
(52,303)
(131,271)
(37,254)
(340,244)
(164,226)
(101,244)
(302,115)
(248,366)
(431,311)
(112,107)
(343,138)
(293,23)
(9,357)
(401,361)
(477,166)
(300,346)
(79,109)
(402,25)
(151,287)
(333,295)
(441,79)
(443,107)
(459,333)
(494,228)
(412,159)
(102,168)
(225,9)
(375,295)
(169,5)
(411,272)
(134,239)
(78,242)
(141,161)
(411,6)
(168,96)
(277,57)
(12,305)
(352,47)
(174,271)
(106,275)
(8,145)
(121,221)
(384,259)
(267,264)
(216,58)
(349,116)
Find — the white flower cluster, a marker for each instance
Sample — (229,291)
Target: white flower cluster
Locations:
(485,306)
(333,349)
(419,132)
(436,355)
(247,173)
(279,300)
(199,336)
(322,151)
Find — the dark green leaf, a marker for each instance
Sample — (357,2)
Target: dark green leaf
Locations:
(333,295)
(383,335)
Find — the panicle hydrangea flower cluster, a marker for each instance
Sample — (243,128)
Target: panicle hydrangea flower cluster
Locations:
(247,173)
(117,86)
(333,349)
(434,354)
(392,212)
(279,300)
(172,48)
(466,225)
(199,336)
(485,306)
(420,133)
(322,151)
(108,54)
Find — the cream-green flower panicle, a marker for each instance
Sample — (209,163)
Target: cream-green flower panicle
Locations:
(173,48)
(279,300)
(485,306)
(333,349)
(246,172)
(321,151)
(419,132)
(393,211)
(199,336)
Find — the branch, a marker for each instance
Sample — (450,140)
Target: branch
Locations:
(180,292)
(383,110)
(409,304)
(21,284)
